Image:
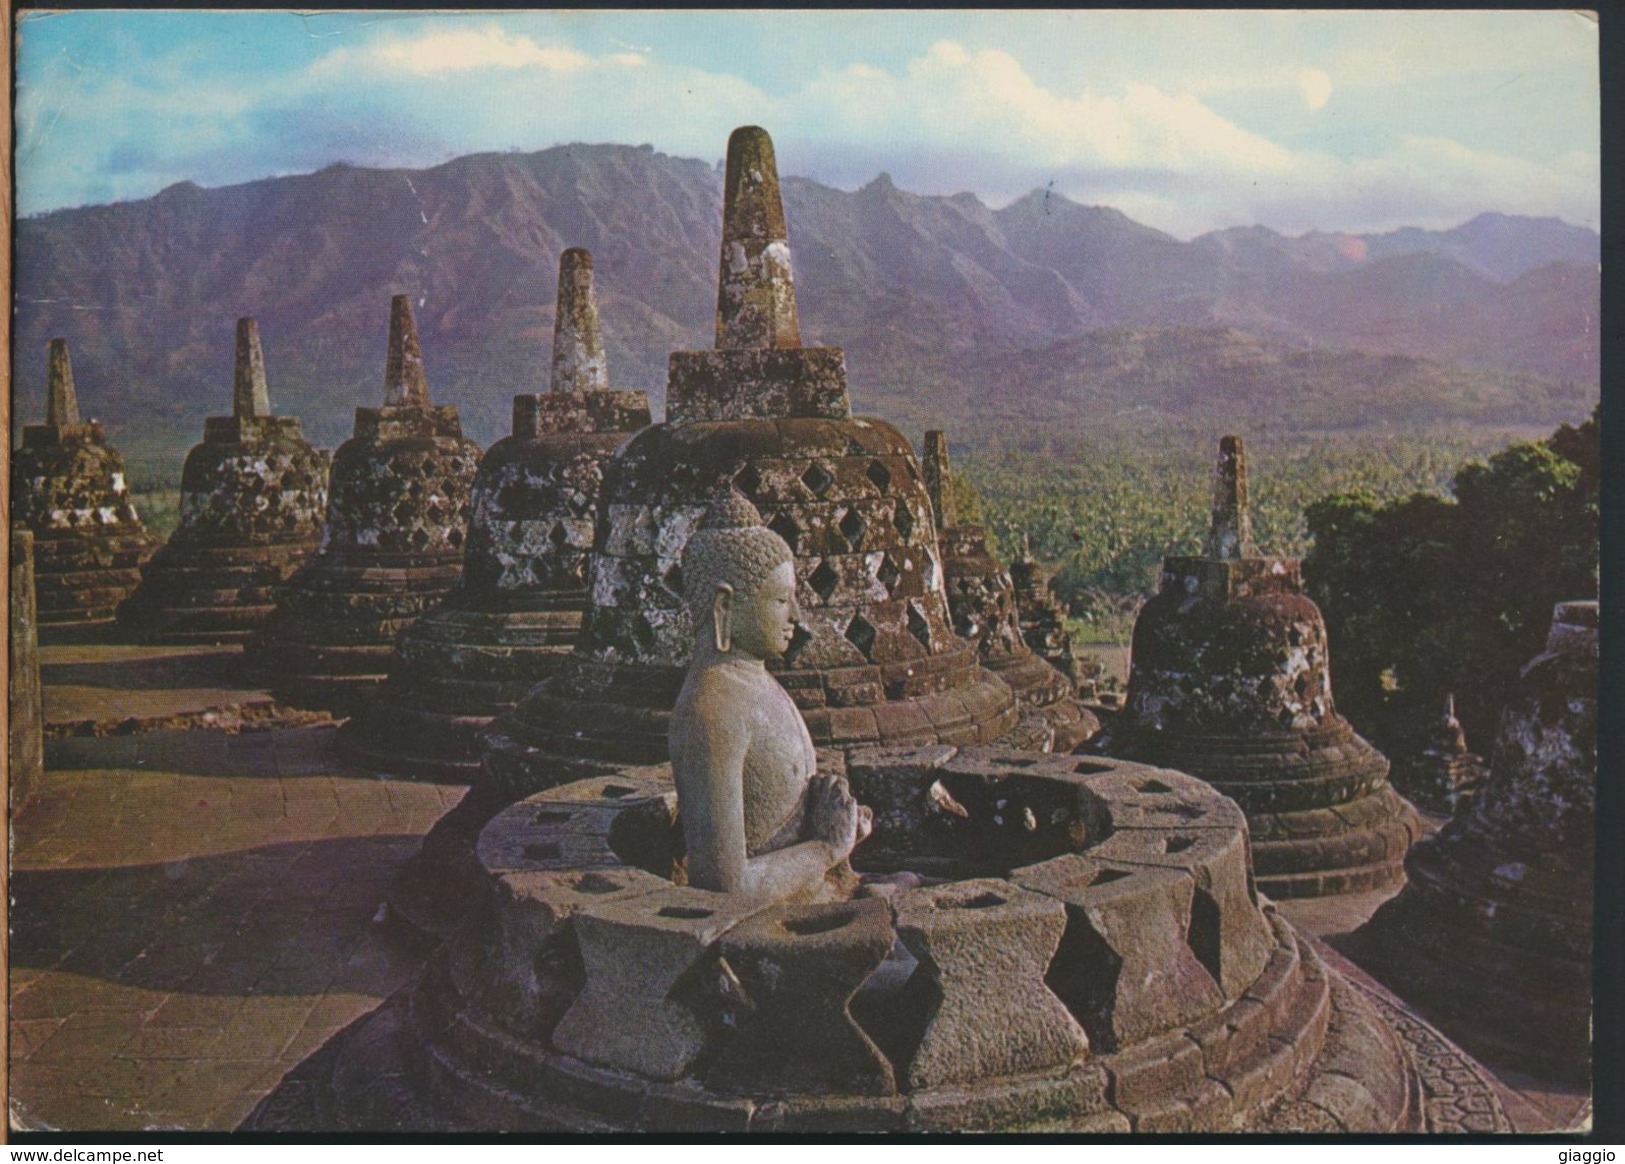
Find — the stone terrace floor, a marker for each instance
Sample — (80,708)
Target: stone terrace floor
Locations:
(196,910)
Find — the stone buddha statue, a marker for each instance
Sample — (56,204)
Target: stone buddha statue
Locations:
(756,817)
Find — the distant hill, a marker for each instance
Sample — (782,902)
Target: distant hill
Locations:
(1043,305)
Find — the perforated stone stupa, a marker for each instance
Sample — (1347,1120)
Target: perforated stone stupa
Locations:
(1493,933)
(392,543)
(875,658)
(518,609)
(1439,771)
(253,495)
(68,487)
(1043,620)
(982,600)
(1094,959)
(1230,682)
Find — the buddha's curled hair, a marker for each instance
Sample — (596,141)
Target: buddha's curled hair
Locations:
(731,545)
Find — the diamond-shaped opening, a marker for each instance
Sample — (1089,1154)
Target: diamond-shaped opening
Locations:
(580,504)
(558,535)
(904,521)
(853,525)
(748,480)
(818,479)
(800,636)
(673,578)
(888,574)
(785,526)
(643,633)
(879,474)
(824,580)
(918,625)
(860,634)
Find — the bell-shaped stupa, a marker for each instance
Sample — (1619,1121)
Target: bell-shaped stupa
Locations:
(875,657)
(1492,934)
(1043,621)
(518,610)
(982,601)
(392,544)
(1438,771)
(68,487)
(252,499)
(1230,681)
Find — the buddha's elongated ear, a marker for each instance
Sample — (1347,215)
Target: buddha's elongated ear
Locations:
(722,617)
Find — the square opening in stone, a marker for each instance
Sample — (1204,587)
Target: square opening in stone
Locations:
(879,474)
(904,521)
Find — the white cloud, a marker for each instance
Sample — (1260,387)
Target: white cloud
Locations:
(455,50)
(1176,144)
(1315,86)
(951,96)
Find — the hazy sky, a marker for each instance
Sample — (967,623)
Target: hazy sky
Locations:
(1188,121)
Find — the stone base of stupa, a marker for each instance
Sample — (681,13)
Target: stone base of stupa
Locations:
(621,713)
(453,672)
(1322,816)
(330,641)
(1492,948)
(1141,987)
(209,594)
(81,578)
(1047,696)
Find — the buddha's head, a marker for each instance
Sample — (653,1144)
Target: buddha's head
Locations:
(740,582)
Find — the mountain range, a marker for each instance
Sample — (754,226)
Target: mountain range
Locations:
(1044,310)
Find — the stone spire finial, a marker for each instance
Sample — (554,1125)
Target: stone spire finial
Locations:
(939,481)
(404,381)
(1231,535)
(578,346)
(756,296)
(61,402)
(249,396)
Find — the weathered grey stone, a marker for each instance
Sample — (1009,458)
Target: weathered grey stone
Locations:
(253,495)
(797,968)
(517,612)
(391,545)
(1499,902)
(1231,534)
(1226,931)
(1126,967)
(1438,772)
(755,818)
(648,960)
(533,965)
(1043,622)
(1231,682)
(68,487)
(756,295)
(971,934)
(846,495)
(982,601)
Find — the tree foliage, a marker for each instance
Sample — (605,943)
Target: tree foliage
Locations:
(1427,595)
